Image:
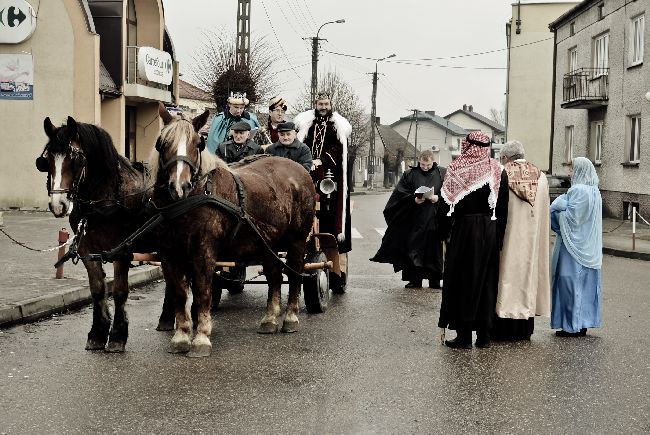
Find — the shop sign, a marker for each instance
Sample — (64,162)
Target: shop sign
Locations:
(16,77)
(155,65)
(17,21)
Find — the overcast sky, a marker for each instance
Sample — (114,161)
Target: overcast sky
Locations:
(412,29)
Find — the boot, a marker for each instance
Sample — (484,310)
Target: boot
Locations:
(414,284)
(483,339)
(562,333)
(463,340)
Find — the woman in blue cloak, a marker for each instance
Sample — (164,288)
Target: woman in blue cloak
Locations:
(576,218)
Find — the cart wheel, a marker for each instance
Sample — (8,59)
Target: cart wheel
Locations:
(339,284)
(315,287)
(238,273)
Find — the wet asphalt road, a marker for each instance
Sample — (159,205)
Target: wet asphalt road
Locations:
(372,363)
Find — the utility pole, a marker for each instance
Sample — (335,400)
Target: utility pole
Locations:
(243,33)
(314,58)
(373,126)
(314,67)
(415,144)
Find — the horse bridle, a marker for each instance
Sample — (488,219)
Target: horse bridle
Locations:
(78,159)
(194,167)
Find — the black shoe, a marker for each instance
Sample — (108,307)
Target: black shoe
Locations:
(434,284)
(562,333)
(414,284)
(457,343)
(483,340)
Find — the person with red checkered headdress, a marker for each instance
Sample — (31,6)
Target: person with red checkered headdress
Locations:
(474,215)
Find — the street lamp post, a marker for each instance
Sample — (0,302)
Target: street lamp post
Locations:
(373,126)
(314,58)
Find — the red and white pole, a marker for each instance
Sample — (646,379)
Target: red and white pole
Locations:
(64,235)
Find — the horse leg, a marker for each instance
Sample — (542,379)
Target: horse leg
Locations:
(166,320)
(120,331)
(178,281)
(98,334)
(202,291)
(269,323)
(295,260)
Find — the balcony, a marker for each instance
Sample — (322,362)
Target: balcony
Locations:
(586,88)
(140,87)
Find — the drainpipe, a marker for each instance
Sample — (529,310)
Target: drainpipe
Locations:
(508,43)
(550,155)
(518,22)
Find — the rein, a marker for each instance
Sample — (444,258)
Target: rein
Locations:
(179,208)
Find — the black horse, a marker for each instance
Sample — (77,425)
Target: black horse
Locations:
(87,176)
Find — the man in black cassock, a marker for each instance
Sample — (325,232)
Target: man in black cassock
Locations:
(411,242)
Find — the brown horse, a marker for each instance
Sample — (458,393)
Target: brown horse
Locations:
(280,199)
(85,170)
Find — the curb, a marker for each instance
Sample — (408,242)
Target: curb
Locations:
(634,255)
(34,309)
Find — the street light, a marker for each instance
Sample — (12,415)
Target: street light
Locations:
(314,58)
(373,125)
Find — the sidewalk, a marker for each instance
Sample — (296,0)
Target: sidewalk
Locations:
(28,289)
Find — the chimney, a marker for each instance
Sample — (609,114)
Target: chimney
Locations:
(431,112)
(471,108)
(464,107)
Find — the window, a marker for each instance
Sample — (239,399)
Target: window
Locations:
(573,59)
(568,144)
(601,11)
(628,208)
(601,55)
(597,141)
(636,44)
(633,146)
(572,28)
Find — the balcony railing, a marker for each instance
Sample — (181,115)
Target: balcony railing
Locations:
(586,88)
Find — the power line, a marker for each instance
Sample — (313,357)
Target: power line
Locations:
(303,26)
(278,39)
(287,19)
(415,64)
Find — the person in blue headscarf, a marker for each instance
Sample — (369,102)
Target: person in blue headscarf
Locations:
(576,218)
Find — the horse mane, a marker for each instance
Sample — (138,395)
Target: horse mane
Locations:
(103,159)
(171,135)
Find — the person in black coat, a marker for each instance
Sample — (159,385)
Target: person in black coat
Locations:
(474,214)
(240,146)
(289,147)
(412,243)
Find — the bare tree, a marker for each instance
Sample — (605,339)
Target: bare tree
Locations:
(214,68)
(499,115)
(347,103)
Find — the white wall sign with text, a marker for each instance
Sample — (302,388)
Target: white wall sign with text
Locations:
(155,65)
(16,77)
(17,21)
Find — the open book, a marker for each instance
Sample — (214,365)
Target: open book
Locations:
(424,192)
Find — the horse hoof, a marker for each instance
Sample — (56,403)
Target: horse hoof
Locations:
(290,326)
(179,347)
(200,350)
(95,344)
(180,343)
(115,347)
(165,325)
(268,328)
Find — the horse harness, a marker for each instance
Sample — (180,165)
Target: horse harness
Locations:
(180,207)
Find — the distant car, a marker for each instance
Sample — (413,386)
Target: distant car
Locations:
(558,185)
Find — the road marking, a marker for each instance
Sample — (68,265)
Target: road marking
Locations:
(381,231)
(356,234)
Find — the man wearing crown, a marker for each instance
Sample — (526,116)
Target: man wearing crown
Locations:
(220,130)
(326,133)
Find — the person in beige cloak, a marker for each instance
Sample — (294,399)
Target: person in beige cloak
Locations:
(524,280)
